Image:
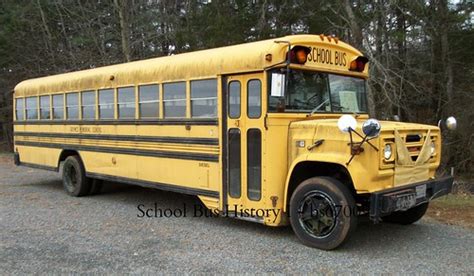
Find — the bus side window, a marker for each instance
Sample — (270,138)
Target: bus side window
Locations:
(32,108)
(234,99)
(254,164)
(126,102)
(58,107)
(174,99)
(234,173)
(149,101)
(88,105)
(254,98)
(19,109)
(106,104)
(72,106)
(45,111)
(204,98)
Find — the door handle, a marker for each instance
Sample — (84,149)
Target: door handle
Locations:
(237,123)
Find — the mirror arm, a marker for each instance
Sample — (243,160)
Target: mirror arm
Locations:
(356,147)
(364,139)
(353,146)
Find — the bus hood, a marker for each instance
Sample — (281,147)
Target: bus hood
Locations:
(412,156)
(386,125)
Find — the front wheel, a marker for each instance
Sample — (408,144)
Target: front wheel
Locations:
(409,216)
(323,212)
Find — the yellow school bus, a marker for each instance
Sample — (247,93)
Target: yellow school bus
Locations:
(274,131)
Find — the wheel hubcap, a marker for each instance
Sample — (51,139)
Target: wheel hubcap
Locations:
(317,214)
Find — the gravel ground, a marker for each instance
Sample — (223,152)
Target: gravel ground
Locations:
(42,230)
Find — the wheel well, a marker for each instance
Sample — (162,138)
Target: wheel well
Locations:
(66,153)
(308,169)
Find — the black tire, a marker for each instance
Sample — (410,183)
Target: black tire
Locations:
(96,186)
(407,217)
(75,182)
(333,213)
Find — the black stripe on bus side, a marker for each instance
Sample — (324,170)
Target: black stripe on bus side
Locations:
(155,185)
(37,166)
(133,138)
(195,122)
(129,151)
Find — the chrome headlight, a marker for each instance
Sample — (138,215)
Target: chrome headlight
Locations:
(433,148)
(387,152)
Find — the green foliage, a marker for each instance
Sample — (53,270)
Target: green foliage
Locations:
(420,50)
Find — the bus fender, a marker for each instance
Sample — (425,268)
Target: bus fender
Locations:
(336,159)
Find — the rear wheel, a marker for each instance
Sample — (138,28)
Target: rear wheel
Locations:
(409,216)
(75,181)
(323,213)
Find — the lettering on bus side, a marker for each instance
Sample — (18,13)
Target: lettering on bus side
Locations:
(204,165)
(85,129)
(327,56)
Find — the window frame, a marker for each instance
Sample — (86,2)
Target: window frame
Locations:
(216,98)
(240,99)
(256,159)
(94,93)
(36,108)
(158,101)
(41,108)
(268,92)
(248,97)
(118,104)
(234,161)
(185,99)
(62,107)
(113,103)
(67,106)
(22,109)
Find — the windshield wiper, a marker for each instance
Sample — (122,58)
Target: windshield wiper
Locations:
(318,107)
(323,104)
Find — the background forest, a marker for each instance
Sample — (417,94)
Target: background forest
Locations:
(420,51)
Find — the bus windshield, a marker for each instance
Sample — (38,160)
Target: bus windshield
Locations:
(312,92)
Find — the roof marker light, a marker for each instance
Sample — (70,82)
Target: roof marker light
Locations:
(358,64)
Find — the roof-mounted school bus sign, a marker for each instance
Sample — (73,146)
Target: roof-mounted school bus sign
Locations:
(274,131)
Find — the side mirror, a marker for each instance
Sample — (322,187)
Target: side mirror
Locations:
(278,85)
(371,128)
(346,123)
(450,123)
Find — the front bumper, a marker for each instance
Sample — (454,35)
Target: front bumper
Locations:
(388,201)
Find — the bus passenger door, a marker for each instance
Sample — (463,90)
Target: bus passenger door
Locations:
(245,124)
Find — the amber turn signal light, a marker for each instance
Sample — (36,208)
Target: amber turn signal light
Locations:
(299,54)
(358,64)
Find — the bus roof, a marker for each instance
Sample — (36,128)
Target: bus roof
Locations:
(209,63)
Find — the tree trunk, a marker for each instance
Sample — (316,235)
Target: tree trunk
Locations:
(353,24)
(49,37)
(357,38)
(122,7)
(446,61)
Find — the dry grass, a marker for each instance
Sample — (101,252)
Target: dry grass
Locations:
(453,209)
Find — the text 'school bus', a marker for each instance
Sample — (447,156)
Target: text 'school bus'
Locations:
(275,131)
